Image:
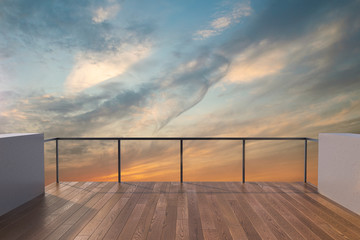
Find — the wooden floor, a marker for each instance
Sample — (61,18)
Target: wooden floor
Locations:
(163,210)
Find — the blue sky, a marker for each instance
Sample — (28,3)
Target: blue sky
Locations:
(179,68)
(104,68)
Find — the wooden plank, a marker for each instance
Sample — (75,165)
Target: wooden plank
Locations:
(97,223)
(38,216)
(14,214)
(211,234)
(270,218)
(333,227)
(182,229)
(206,212)
(81,238)
(64,227)
(54,220)
(155,228)
(282,222)
(249,231)
(329,224)
(50,186)
(182,216)
(229,218)
(244,221)
(149,189)
(182,206)
(146,217)
(25,209)
(329,204)
(283,209)
(194,219)
(130,226)
(303,217)
(220,223)
(76,219)
(169,225)
(90,220)
(258,223)
(134,219)
(123,216)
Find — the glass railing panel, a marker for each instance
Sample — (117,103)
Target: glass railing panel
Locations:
(149,160)
(50,162)
(278,160)
(93,161)
(313,162)
(212,160)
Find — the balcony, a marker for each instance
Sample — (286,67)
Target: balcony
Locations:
(180,210)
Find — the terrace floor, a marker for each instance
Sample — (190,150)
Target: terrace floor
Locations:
(192,210)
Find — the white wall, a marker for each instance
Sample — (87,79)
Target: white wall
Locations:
(21,169)
(339,168)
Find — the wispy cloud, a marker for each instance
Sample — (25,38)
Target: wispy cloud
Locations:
(266,58)
(186,86)
(221,22)
(224,21)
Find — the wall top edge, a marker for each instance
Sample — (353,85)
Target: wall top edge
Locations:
(341,134)
(9,135)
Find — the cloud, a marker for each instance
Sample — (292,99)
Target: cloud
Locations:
(266,58)
(68,25)
(102,14)
(291,73)
(221,22)
(253,64)
(92,68)
(115,108)
(224,21)
(57,22)
(71,115)
(203,34)
(186,86)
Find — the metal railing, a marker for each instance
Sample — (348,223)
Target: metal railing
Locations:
(181,140)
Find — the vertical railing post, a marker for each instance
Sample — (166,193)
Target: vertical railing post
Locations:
(119,160)
(243,162)
(57,161)
(181,161)
(305,162)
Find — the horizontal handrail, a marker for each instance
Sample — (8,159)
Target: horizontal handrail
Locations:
(50,139)
(176,138)
(181,139)
(313,139)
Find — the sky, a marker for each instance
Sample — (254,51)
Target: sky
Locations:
(178,68)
